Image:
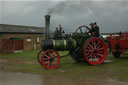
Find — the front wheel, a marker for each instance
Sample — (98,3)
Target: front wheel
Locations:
(50,58)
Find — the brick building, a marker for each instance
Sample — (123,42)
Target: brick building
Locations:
(16,37)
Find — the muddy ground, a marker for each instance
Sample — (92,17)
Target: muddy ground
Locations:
(18,78)
(8,78)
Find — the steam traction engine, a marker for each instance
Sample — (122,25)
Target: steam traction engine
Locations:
(81,46)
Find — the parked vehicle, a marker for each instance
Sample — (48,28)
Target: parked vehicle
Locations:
(119,43)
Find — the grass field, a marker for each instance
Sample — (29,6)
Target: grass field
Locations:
(26,62)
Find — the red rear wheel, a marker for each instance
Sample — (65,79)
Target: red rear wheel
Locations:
(95,51)
(50,59)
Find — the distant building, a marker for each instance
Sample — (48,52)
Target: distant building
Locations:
(16,37)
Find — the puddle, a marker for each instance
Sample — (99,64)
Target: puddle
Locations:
(3,61)
(7,78)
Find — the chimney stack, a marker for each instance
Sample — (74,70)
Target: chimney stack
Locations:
(47,26)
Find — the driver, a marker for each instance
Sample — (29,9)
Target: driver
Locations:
(94,29)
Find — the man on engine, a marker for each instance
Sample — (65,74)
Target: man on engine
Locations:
(96,30)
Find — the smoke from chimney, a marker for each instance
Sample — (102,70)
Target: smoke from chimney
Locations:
(59,8)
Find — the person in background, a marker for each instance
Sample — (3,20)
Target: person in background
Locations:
(61,32)
(56,33)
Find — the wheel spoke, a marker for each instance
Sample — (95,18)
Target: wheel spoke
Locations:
(46,56)
(45,59)
(100,55)
(90,46)
(94,45)
(97,44)
(90,56)
(50,63)
(94,56)
(89,51)
(48,53)
(53,54)
(100,48)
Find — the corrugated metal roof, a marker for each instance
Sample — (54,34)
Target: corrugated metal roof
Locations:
(5,28)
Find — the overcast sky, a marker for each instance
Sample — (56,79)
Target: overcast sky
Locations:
(111,15)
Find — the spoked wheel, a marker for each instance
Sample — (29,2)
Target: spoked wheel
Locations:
(50,59)
(40,56)
(83,29)
(95,51)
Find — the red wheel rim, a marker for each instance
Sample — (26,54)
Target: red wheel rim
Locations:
(50,59)
(95,51)
(40,56)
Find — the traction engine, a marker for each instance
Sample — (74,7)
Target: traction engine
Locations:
(82,47)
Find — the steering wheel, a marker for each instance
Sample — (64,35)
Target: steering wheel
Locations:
(83,30)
